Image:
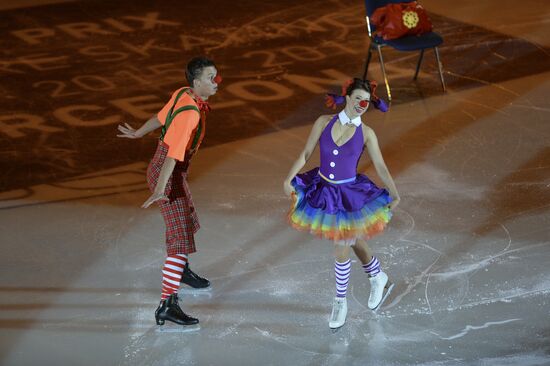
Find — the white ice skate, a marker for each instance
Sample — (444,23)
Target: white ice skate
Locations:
(380,288)
(339,312)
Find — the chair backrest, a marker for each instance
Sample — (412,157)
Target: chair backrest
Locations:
(372,5)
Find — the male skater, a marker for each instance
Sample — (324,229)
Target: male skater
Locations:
(183,121)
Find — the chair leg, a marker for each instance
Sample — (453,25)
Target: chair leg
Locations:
(369,55)
(384,72)
(440,67)
(418,64)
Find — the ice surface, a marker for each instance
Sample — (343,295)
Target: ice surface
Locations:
(468,247)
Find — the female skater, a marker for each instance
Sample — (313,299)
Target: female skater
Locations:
(334,202)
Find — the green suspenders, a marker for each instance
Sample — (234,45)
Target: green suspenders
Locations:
(172,114)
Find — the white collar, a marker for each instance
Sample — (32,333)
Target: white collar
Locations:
(344,119)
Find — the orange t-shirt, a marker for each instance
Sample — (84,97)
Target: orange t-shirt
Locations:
(183,126)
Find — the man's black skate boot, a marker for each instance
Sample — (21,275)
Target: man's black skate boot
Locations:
(192,279)
(170,310)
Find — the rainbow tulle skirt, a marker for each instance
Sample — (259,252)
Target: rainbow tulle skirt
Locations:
(354,210)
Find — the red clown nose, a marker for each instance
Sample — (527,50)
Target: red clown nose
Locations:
(364,103)
(218,79)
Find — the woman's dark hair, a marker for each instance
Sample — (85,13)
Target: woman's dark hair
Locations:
(359,84)
(334,100)
(195,67)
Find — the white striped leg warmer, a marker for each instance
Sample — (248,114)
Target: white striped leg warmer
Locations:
(171,274)
(342,272)
(373,267)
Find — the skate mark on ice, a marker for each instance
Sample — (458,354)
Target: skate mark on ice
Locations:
(474,267)
(422,245)
(522,213)
(534,108)
(498,86)
(468,328)
(411,286)
(283,341)
(137,345)
(229,330)
(536,291)
(426,287)
(412,224)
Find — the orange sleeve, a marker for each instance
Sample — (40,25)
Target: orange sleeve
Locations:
(180,133)
(161,115)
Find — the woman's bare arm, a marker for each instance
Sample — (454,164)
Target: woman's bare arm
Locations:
(304,156)
(371,142)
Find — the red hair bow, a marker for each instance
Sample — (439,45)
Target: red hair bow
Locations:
(346,85)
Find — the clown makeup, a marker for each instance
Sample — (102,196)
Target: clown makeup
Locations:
(207,84)
(358,102)
(363,103)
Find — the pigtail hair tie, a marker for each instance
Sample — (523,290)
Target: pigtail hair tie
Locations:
(334,100)
(377,102)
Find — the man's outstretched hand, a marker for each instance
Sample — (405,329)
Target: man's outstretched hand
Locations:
(128,132)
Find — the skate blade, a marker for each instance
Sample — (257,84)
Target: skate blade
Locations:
(387,293)
(176,328)
(335,329)
(196,291)
(183,286)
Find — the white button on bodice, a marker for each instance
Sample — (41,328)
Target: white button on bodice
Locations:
(332,164)
(335,152)
(331,176)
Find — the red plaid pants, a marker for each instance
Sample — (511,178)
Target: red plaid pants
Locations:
(178,212)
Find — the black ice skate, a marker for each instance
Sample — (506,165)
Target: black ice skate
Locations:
(193,280)
(170,310)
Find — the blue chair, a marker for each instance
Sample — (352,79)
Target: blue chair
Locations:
(409,43)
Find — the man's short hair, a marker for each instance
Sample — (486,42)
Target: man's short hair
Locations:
(195,67)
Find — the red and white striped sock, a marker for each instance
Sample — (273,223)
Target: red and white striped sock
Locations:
(171,274)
